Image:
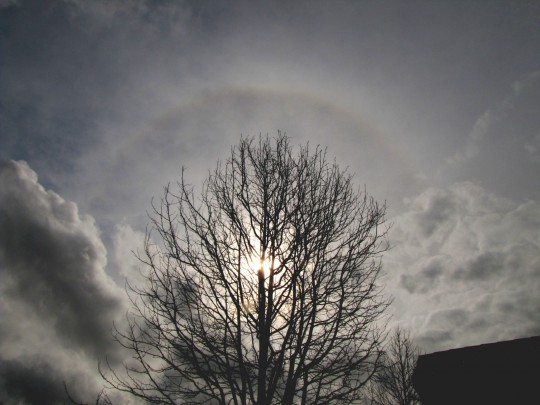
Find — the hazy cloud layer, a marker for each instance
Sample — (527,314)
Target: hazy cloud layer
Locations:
(489,119)
(57,302)
(466,267)
(103,84)
(107,99)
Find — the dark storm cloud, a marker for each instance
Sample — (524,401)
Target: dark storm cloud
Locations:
(58,304)
(31,383)
(53,259)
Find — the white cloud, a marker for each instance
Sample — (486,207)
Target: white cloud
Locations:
(126,245)
(57,303)
(466,267)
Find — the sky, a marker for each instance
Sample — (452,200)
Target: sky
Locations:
(432,104)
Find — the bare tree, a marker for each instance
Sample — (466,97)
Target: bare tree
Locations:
(101,399)
(392,384)
(262,290)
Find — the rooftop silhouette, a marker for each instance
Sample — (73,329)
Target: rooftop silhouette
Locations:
(497,373)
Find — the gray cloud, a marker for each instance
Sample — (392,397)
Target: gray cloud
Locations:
(106,100)
(482,267)
(435,339)
(501,151)
(426,278)
(483,126)
(85,76)
(474,277)
(30,382)
(197,133)
(58,303)
(456,317)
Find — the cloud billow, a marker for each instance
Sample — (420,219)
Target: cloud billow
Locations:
(470,267)
(57,303)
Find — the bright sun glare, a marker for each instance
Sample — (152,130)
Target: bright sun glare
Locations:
(255,264)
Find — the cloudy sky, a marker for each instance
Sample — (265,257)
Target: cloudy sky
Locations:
(433,104)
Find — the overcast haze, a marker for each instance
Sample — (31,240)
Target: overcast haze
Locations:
(432,104)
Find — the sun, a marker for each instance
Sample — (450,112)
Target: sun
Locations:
(250,268)
(255,264)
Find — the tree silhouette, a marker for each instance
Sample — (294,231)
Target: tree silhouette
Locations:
(262,289)
(392,384)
